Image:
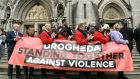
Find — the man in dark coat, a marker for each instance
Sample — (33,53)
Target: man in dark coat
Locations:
(137,37)
(11,38)
(127,33)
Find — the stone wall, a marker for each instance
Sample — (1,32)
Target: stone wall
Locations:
(74,11)
(135,12)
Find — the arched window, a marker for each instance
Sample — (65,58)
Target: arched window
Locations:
(60,11)
(7,13)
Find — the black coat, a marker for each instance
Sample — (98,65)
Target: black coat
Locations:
(10,40)
(128,35)
(137,37)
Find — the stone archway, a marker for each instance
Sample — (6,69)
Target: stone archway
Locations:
(116,4)
(37,16)
(37,12)
(33,13)
(24,6)
(113,12)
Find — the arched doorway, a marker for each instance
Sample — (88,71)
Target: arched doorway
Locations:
(33,13)
(113,14)
(37,16)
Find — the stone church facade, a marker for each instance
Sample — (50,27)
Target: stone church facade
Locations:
(38,12)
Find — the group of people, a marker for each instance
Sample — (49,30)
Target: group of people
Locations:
(82,34)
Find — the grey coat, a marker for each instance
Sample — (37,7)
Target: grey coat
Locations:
(2,45)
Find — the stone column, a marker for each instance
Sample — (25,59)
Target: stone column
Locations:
(69,12)
(54,9)
(79,18)
(9,25)
(22,27)
(91,16)
(36,26)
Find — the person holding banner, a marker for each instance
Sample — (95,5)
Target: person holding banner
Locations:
(101,35)
(63,35)
(11,38)
(30,70)
(118,38)
(81,38)
(46,38)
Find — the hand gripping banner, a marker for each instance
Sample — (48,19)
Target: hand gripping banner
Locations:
(67,55)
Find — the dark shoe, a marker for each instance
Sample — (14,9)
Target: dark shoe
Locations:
(62,76)
(123,77)
(26,77)
(10,77)
(83,78)
(44,78)
(19,77)
(31,77)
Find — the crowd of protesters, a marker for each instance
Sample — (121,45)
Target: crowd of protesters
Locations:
(82,34)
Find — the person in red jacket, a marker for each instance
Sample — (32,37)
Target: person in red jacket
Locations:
(81,38)
(47,37)
(101,35)
(31,32)
(30,70)
(63,35)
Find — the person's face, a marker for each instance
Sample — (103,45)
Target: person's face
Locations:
(65,33)
(31,30)
(48,27)
(101,29)
(83,27)
(94,23)
(16,27)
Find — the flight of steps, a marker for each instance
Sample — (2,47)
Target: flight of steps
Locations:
(74,75)
(136,61)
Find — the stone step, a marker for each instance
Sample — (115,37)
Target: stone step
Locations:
(136,60)
(73,77)
(135,50)
(133,73)
(3,68)
(136,54)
